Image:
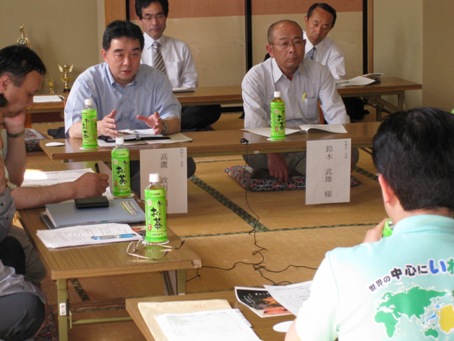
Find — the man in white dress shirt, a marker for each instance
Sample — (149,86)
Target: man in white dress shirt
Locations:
(178,63)
(302,85)
(319,21)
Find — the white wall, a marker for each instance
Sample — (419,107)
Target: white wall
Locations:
(398,42)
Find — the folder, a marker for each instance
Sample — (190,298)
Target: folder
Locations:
(124,210)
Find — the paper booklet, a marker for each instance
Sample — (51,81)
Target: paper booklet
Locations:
(135,134)
(87,235)
(66,214)
(260,301)
(332,128)
(274,300)
(202,320)
(104,141)
(365,79)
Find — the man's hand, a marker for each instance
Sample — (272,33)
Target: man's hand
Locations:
(154,121)
(107,125)
(278,167)
(90,185)
(376,233)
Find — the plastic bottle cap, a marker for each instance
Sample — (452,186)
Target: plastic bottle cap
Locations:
(154,177)
(277,94)
(88,101)
(119,140)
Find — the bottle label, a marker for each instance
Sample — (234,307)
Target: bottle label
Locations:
(121,179)
(155,215)
(89,129)
(277,120)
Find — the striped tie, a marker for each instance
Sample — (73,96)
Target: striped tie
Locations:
(158,62)
(310,54)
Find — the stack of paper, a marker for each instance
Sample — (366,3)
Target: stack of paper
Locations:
(205,320)
(87,235)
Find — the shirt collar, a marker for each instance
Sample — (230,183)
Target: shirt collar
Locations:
(149,41)
(277,73)
(112,80)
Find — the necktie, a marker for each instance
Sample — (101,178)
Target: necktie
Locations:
(158,62)
(310,54)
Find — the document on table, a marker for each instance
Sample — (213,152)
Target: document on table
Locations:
(219,325)
(331,128)
(267,131)
(357,81)
(39,178)
(291,296)
(47,98)
(195,320)
(87,235)
(174,138)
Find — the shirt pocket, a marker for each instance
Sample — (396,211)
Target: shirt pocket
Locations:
(310,108)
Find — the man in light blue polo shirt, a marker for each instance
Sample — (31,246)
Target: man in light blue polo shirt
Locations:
(126,94)
(399,287)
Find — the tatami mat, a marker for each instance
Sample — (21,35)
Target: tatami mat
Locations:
(282,256)
(287,209)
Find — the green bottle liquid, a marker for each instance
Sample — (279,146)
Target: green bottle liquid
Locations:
(121,178)
(277,117)
(388,229)
(155,211)
(89,126)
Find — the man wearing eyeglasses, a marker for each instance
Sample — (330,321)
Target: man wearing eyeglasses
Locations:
(302,86)
(177,64)
(319,21)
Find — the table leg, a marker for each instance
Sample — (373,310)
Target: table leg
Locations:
(63,309)
(174,282)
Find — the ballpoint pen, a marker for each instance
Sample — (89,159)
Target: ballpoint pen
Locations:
(114,236)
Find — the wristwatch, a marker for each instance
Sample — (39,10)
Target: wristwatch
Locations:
(164,128)
(21,133)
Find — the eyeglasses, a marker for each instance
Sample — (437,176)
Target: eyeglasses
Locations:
(285,45)
(141,249)
(150,17)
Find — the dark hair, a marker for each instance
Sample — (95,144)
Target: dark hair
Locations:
(324,6)
(18,61)
(414,151)
(273,25)
(141,4)
(120,28)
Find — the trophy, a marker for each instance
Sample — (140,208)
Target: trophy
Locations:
(66,70)
(50,84)
(23,40)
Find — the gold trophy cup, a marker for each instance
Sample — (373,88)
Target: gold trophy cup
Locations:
(66,70)
(23,40)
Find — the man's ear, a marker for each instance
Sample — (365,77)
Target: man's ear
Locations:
(388,194)
(104,54)
(269,49)
(5,81)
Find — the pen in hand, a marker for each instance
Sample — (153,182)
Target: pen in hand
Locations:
(114,236)
(97,168)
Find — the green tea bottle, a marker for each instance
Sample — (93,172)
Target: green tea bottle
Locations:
(277,117)
(89,126)
(155,211)
(121,178)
